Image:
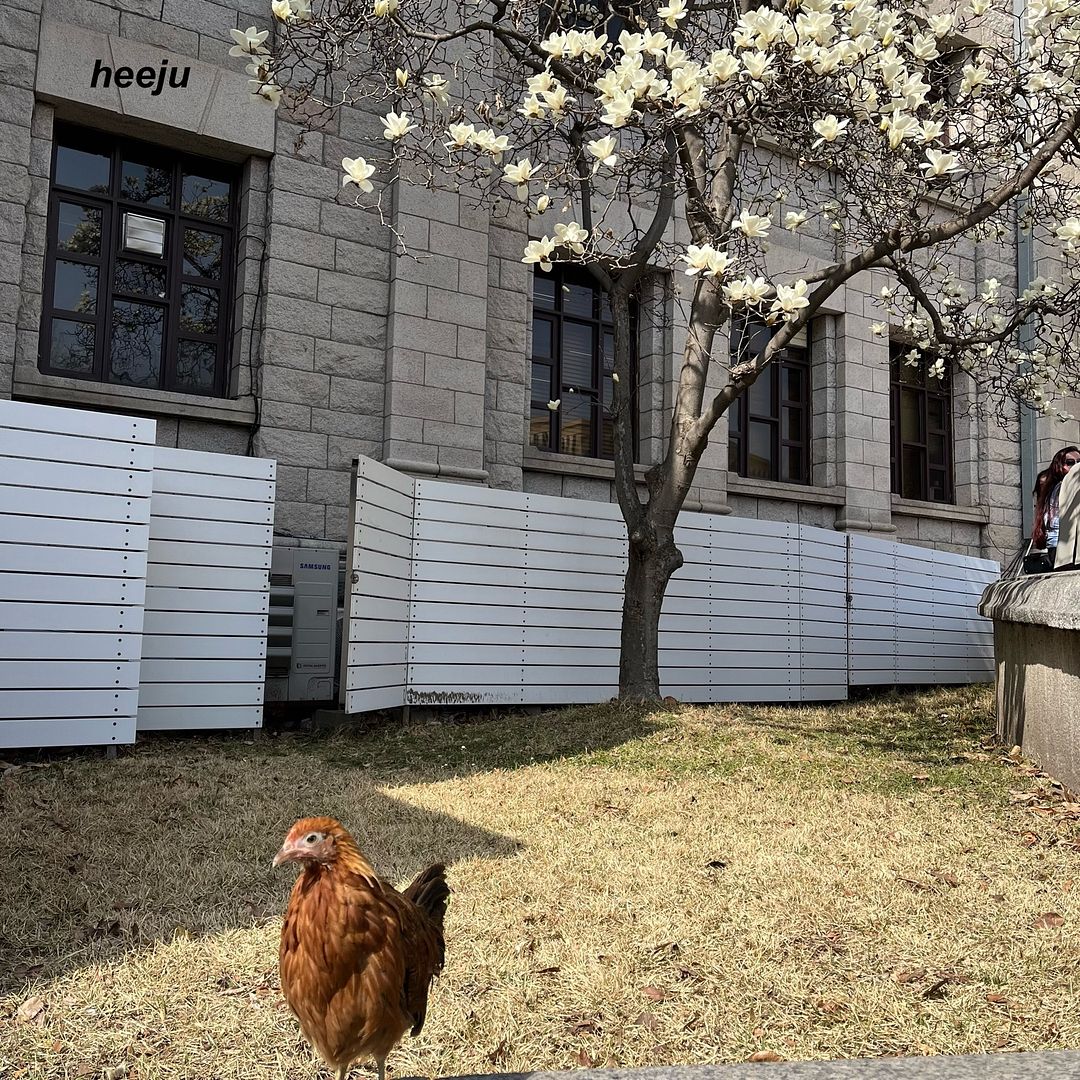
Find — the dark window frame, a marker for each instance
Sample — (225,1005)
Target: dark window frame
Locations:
(740,415)
(112,207)
(568,275)
(911,381)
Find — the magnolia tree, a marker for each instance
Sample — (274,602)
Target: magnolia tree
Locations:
(895,136)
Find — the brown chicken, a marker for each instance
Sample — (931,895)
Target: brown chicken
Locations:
(357,957)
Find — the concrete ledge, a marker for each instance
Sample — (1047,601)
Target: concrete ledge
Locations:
(430,468)
(975,515)
(31,385)
(1058,1065)
(1049,600)
(775,489)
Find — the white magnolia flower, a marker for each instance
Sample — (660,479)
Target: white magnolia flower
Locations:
(940,163)
(543,203)
(793,219)
(1070,233)
(557,99)
(604,151)
(979,7)
(900,126)
(537,84)
(401,77)
(747,290)
(249,42)
(520,174)
(936,370)
(655,43)
(618,110)
(975,76)
(924,47)
(436,86)
(757,65)
(723,65)
(396,125)
(539,251)
(706,260)
(555,45)
(614,376)
(752,225)
(282,10)
(495,145)
(631,44)
(357,171)
(572,236)
(941,25)
(271,91)
(532,108)
(385,8)
(791,299)
(879,329)
(461,135)
(930,131)
(991,288)
(829,128)
(672,12)
(554,405)
(301,10)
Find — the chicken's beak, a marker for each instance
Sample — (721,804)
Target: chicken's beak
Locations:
(286,854)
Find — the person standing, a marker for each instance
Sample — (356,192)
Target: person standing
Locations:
(1044,535)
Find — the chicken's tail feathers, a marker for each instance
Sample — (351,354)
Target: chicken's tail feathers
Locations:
(430,893)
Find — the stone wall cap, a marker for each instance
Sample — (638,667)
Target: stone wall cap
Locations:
(1060,1064)
(1041,599)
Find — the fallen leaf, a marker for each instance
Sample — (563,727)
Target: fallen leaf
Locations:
(997,999)
(584,1060)
(57,1046)
(827,1005)
(1067,886)
(716,864)
(670,702)
(32,1011)
(1016,753)
(585,1027)
(759,1033)
(765,1055)
(548,970)
(647,1020)
(947,877)
(914,975)
(499,1054)
(1048,920)
(654,993)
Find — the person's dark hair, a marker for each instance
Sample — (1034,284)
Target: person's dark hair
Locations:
(1045,484)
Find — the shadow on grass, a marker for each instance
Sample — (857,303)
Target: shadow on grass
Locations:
(177,834)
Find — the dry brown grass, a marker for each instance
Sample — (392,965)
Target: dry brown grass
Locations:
(692,885)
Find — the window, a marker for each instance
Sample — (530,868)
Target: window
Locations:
(922,465)
(769,424)
(600,16)
(138,270)
(573,352)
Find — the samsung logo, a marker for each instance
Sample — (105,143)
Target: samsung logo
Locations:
(314,566)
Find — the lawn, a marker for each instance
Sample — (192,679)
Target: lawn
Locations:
(630,888)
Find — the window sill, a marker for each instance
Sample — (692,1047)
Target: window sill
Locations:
(32,385)
(774,489)
(571,465)
(977,515)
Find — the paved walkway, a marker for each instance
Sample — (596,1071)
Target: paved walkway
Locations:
(1058,1065)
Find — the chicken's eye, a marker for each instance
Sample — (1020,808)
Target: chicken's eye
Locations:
(312,838)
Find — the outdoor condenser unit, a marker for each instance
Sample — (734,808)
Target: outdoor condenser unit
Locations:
(302,647)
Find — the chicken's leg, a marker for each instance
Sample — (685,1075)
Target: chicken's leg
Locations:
(340,1072)
(381,1062)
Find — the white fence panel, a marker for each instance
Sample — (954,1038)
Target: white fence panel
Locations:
(914,617)
(375,649)
(74,513)
(208,591)
(467,595)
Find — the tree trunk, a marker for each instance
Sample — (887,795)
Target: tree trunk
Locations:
(653,558)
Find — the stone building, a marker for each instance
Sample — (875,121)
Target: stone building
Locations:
(170,247)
